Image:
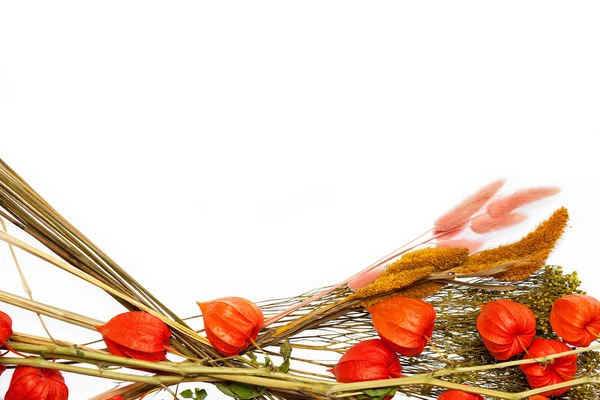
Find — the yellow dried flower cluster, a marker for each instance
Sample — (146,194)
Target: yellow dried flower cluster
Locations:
(440,259)
(419,290)
(401,277)
(537,245)
(390,282)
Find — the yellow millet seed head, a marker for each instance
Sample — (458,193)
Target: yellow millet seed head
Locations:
(419,290)
(537,245)
(440,259)
(389,282)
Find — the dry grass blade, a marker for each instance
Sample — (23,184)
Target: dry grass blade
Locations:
(66,267)
(33,214)
(50,311)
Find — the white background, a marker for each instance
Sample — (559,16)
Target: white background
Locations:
(261,149)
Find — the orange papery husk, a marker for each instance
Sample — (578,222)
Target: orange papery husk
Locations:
(469,244)
(366,278)
(506,204)
(136,334)
(231,323)
(368,360)
(506,328)
(562,369)
(459,395)
(485,223)
(29,383)
(462,213)
(576,319)
(5,328)
(405,324)
(538,397)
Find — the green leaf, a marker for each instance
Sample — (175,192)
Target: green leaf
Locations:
(377,394)
(252,357)
(285,366)
(197,394)
(240,390)
(286,349)
(224,387)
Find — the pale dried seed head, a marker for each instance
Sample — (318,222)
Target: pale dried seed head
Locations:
(470,244)
(460,215)
(486,223)
(506,204)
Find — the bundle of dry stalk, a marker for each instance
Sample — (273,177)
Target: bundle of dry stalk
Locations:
(323,323)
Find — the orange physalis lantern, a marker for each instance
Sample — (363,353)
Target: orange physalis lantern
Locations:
(5,332)
(5,328)
(29,383)
(459,395)
(404,324)
(560,370)
(368,360)
(576,319)
(231,323)
(506,328)
(538,397)
(136,334)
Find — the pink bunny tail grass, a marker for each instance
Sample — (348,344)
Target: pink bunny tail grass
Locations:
(486,223)
(505,205)
(471,245)
(365,279)
(460,215)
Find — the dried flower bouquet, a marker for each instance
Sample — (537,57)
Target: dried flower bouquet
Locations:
(437,318)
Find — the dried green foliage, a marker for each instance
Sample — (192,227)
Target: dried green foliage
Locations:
(456,337)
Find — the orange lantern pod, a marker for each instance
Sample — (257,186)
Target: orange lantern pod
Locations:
(5,328)
(29,383)
(576,319)
(506,328)
(538,397)
(231,323)
(136,334)
(368,360)
(560,370)
(459,395)
(404,324)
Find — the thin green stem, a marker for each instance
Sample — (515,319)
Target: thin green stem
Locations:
(153,380)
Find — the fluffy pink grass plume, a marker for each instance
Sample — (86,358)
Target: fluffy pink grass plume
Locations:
(471,245)
(365,279)
(486,223)
(460,215)
(505,205)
